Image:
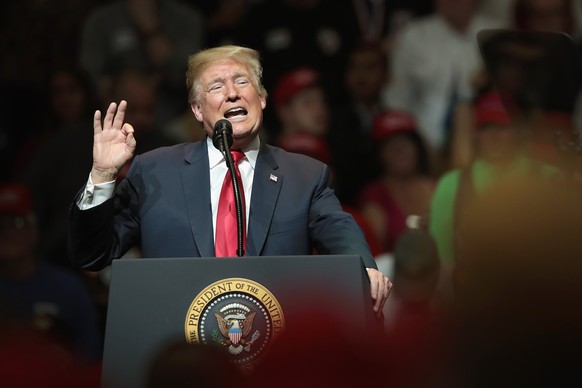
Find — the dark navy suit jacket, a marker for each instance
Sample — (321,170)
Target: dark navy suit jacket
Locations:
(163,204)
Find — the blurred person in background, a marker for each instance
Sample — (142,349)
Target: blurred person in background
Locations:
(305,128)
(518,291)
(64,146)
(350,137)
(70,150)
(224,19)
(316,147)
(155,34)
(500,156)
(43,297)
(365,74)
(433,63)
(300,103)
(294,33)
(310,145)
(544,15)
(416,273)
(36,37)
(416,315)
(140,88)
(382,20)
(405,187)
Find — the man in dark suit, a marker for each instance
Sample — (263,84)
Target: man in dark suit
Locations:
(168,201)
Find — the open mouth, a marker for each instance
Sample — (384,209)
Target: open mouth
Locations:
(235,112)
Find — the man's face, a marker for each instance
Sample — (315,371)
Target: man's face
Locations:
(227,92)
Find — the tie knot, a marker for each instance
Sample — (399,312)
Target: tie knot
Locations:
(237,156)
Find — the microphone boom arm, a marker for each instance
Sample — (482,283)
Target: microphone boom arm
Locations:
(222,139)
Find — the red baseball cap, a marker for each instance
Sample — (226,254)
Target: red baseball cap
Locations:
(392,122)
(15,199)
(306,144)
(294,82)
(490,110)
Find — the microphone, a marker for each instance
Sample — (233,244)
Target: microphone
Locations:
(222,137)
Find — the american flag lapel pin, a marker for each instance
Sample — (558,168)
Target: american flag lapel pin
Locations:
(273,178)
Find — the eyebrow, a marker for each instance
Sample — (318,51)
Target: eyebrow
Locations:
(221,79)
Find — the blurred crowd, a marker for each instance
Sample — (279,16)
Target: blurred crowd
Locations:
(473,214)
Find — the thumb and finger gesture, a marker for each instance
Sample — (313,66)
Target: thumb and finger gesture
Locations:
(113,143)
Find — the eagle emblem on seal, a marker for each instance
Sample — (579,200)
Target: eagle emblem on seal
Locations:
(235,322)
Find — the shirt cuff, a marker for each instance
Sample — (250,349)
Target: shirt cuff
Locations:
(95,195)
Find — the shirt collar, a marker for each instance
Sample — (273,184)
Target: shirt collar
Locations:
(215,156)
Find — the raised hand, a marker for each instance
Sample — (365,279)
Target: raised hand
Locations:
(113,143)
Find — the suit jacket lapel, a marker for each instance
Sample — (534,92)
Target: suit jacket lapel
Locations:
(196,181)
(266,187)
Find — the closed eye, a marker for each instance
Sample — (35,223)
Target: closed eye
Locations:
(242,81)
(215,87)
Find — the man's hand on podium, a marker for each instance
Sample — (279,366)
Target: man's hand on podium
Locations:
(380,287)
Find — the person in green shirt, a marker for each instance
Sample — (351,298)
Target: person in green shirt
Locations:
(500,155)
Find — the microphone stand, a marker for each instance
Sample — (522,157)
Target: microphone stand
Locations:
(225,149)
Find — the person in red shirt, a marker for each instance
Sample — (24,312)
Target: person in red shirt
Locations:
(404,189)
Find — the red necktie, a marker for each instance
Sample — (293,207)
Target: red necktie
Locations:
(226,230)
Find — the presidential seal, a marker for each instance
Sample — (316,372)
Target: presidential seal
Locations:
(237,314)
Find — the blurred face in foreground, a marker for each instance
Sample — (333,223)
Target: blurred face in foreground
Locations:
(227,92)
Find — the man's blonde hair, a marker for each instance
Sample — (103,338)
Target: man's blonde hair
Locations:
(198,62)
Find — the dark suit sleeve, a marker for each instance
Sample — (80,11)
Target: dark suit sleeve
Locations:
(332,230)
(105,232)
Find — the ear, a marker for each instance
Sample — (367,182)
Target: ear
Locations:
(197,110)
(263,96)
